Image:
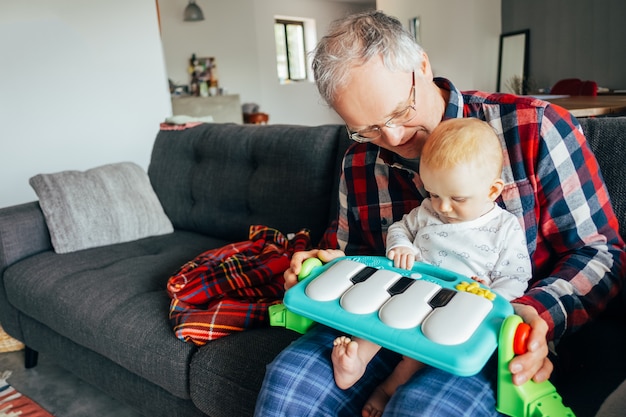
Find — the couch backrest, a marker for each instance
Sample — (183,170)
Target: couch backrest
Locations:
(218,179)
(607,138)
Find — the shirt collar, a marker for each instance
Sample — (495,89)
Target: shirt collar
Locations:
(454,108)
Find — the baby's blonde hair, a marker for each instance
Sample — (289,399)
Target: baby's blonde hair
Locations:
(464,140)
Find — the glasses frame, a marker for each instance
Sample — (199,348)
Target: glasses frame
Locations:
(377,130)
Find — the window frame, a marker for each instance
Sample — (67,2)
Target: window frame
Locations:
(301,58)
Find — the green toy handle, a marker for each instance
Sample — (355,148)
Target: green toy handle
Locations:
(530,399)
(280,316)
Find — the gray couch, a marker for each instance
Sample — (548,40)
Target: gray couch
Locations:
(102,312)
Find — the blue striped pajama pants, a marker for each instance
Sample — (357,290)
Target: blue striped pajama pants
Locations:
(300,383)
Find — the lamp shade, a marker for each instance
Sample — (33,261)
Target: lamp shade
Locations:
(193,13)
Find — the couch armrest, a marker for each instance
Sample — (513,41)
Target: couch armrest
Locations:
(23,232)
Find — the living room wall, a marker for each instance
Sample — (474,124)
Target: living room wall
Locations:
(462,46)
(240,35)
(572,39)
(461,37)
(82,84)
(85,83)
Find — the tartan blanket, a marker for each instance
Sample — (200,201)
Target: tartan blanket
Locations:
(229,289)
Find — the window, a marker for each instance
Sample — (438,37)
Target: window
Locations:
(291,52)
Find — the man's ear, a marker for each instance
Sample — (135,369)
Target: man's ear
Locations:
(496,188)
(426,69)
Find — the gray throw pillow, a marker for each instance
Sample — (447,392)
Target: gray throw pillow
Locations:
(109,204)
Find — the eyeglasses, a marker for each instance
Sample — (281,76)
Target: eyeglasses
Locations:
(400,119)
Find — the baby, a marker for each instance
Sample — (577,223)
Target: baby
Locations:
(459,227)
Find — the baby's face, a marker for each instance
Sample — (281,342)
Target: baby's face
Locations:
(460,194)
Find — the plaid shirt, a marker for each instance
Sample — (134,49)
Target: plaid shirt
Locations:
(552,184)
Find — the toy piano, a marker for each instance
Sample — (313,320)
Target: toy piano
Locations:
(433,315)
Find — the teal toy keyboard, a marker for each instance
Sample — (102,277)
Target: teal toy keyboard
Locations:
(433,315)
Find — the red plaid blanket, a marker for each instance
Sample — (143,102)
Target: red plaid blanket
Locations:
(229,289)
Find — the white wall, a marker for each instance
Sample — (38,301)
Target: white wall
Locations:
(82,83)
(240,35)
(228,33)
(461,37)
(462,46)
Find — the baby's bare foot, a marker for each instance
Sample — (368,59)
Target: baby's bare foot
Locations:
(376,403)
(347,366)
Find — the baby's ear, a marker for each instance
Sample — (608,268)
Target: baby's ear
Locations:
(496,189)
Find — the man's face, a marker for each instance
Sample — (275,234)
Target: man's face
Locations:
(380,100)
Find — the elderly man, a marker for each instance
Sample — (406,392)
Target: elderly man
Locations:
(369,69)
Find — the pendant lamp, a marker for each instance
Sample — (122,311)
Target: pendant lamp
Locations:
(193,13)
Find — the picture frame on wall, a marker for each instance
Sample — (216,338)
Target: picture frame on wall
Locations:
(414,28)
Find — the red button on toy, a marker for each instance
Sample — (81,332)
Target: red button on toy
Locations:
(521,338)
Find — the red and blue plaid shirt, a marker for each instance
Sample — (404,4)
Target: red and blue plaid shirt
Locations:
(553,186)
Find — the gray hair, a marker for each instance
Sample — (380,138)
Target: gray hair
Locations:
(356,39)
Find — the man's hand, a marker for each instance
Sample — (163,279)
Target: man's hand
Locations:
(325,255)
(534,363)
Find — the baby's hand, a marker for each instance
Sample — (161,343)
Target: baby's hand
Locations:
(482,281)
(402,257)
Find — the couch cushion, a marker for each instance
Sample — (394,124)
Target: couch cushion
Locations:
(105,205)
(112,300)
(218,179)
(607,139)
(232,369)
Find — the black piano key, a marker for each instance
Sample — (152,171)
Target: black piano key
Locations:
(442,298)
(400,286)
(363,274)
